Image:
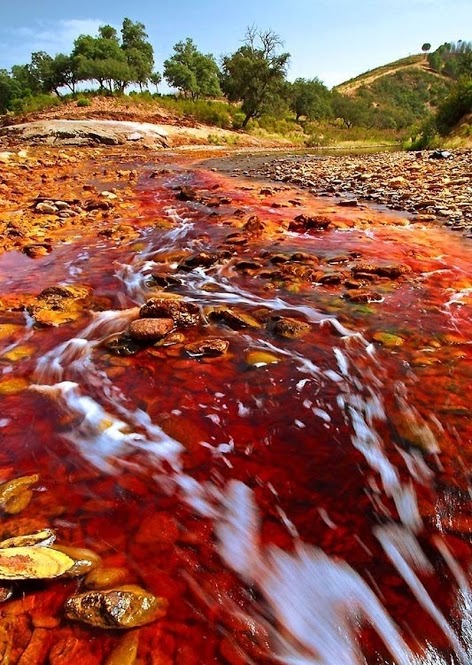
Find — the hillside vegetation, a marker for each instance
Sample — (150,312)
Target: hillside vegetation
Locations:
(245,91)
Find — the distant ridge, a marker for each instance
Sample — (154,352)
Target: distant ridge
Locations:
(418,61)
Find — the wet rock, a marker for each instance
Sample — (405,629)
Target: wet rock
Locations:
(330,279)
(163,280)
(171,340)
(126,651)
(303,257)
(182,312)
(254,226)
(278,258)
(123,607)
(348,203)
(42,538)
(96,204)
(57,305)
(302,224)
(149,330)
(105,578)
(16,494)
(84,560)
(393,271)
(363,296)
(212,346)
(33,563)
(236,239)
(6,592)
(200,260)
(122,345)
(247,265)
(187,194)
(388,339)
(287,327)
(231,318)
(37,250)
(261,358)
(352,284)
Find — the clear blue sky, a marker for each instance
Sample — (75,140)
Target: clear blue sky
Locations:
(331,39)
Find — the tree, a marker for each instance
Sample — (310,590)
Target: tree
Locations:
(426,47)
(155,79)
(138,51)
(9,90)
(192,72)
(310,99)
(255,73)
(102,59)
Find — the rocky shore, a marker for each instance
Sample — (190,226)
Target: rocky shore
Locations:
(428,188)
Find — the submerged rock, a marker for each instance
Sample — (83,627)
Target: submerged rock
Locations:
(182,312)
(16,494)
(105,578)
(302,224)
(213,346)
(261,358)
(122,345)
(288,327)
(234,320)
(363,296)
(84,560)
(123,607)
(126,651)
(199,260)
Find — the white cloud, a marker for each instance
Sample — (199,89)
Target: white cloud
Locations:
(53,37)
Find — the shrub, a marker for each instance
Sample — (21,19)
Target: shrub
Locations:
(83,101)
(33,104)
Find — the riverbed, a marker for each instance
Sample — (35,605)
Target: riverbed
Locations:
(287,464)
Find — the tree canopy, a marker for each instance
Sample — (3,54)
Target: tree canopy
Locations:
(192,72)
(255,73)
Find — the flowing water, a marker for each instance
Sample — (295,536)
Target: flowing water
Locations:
(309,507)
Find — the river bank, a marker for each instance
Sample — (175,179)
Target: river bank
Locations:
(428,189)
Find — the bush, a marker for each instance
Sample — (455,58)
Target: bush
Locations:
(456,106)
(83,101)
(33,104)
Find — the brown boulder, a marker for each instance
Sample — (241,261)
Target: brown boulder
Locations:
(182,312)
(148,330)
(288,327)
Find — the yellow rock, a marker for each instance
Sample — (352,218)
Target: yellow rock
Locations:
(125,651)
(41,538)
(261,358)
(12,386)
(7,329)
(18,502)
(19,353)
(84,560)
(15,488)
(105,578)
(33,563)
(388,340)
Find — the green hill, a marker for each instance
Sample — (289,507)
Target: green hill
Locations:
(402,93)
